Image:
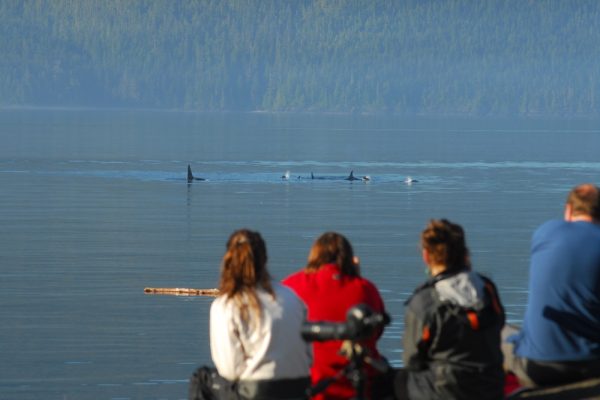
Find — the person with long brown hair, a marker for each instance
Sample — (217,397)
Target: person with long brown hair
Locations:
(452,325)
(255,326)
(330,285)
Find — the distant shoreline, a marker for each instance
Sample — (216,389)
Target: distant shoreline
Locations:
(301,112)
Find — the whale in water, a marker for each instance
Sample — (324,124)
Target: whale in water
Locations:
(351,177)
(191,177)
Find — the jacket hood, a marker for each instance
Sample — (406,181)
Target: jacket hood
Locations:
(466,289)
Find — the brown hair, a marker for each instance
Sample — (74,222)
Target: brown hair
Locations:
(332,248)
(585,200)
(445,243)
(243,269)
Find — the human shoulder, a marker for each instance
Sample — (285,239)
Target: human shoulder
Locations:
(284,292)
(561,228)
(219,302)
(367,284)
(294,278)
(221,309)
(423,298)
(550,226)
(372,295)
(486,279)
(591,228)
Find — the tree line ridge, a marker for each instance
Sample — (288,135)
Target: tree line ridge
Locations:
(509,57)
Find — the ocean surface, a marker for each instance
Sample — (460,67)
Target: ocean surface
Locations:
(95,206)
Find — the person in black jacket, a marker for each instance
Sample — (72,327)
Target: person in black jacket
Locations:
(452,325)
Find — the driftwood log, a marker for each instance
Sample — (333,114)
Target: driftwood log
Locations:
(182,291)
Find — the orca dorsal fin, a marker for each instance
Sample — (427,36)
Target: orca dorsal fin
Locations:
(190,176)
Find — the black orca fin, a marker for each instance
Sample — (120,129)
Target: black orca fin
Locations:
(311,175)
(190,176)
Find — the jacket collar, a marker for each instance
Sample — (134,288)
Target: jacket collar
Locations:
(435,279)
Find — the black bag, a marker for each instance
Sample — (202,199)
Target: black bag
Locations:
(207,384)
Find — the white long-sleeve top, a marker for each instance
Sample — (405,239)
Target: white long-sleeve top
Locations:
(273,349)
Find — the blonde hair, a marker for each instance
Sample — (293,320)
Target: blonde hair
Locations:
(243,270)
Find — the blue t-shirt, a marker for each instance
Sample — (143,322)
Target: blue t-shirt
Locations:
(562,319)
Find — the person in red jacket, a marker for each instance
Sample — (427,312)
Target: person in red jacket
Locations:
(330,285)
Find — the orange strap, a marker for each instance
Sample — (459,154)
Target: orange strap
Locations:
(473,320)
(426,336)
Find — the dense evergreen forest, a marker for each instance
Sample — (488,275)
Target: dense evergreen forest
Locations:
(471,57)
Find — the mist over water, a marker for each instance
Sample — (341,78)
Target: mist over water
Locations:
(95,206)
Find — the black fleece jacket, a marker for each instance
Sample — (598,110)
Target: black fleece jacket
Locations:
(452,338)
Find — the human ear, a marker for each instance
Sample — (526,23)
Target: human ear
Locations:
(356,262)
(568,212)
(425,256)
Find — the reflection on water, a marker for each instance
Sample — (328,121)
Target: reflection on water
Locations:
(95,207)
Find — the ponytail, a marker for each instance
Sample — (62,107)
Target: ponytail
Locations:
(243,269)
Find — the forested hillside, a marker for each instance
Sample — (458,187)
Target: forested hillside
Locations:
(512,57)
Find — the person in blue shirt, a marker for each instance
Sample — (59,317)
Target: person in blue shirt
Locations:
(559,341)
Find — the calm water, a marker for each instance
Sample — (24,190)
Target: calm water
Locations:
(94,207)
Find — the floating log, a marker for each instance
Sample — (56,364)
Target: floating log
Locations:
(182,291)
